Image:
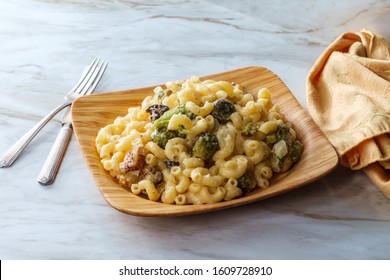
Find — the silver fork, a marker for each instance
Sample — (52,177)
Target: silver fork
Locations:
(87,83)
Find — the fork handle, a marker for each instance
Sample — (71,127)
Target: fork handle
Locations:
(52,164)
(14,151)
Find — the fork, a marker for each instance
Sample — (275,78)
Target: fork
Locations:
(87,83)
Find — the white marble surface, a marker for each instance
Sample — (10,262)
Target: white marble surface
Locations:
(44,44)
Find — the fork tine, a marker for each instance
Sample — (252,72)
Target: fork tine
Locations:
(84,74)
(87,84)
(89,78)
(97,79)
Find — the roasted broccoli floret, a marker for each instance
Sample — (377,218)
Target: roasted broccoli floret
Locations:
(250,128)
(162,135)
(247,182)
(205,145)
(164,119)
(223,108)
(156,111)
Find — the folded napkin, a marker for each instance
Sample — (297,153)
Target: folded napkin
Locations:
(348,97)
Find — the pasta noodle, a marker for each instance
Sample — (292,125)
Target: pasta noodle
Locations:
(197,142)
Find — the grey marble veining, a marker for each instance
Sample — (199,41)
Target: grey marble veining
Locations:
(46,43)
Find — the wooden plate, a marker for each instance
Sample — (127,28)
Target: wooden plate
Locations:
(90,113)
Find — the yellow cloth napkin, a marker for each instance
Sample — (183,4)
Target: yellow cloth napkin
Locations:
(348,97)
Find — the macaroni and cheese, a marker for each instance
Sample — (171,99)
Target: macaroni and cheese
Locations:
(197,142)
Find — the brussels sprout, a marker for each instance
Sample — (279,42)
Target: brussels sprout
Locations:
(223,108)
(283,133)
(162,135)
(284,155)
(247,182)
(280,165)
(285,150)
(205,145)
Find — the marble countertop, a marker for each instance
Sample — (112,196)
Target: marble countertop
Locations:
(46,43)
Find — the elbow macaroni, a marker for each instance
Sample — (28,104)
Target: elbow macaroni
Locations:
(171,173)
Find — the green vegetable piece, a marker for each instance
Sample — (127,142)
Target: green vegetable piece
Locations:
(250,128)
(206,144)
(223,108)
(181,132)
(282,161)
(283,133)
(163,121)
(285,151)
(281,165)
(270,138)
(247,182)
(296,150)
(162,135)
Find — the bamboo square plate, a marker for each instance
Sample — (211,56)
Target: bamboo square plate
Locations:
(92,112)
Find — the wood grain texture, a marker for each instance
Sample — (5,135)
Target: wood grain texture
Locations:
(90,113)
